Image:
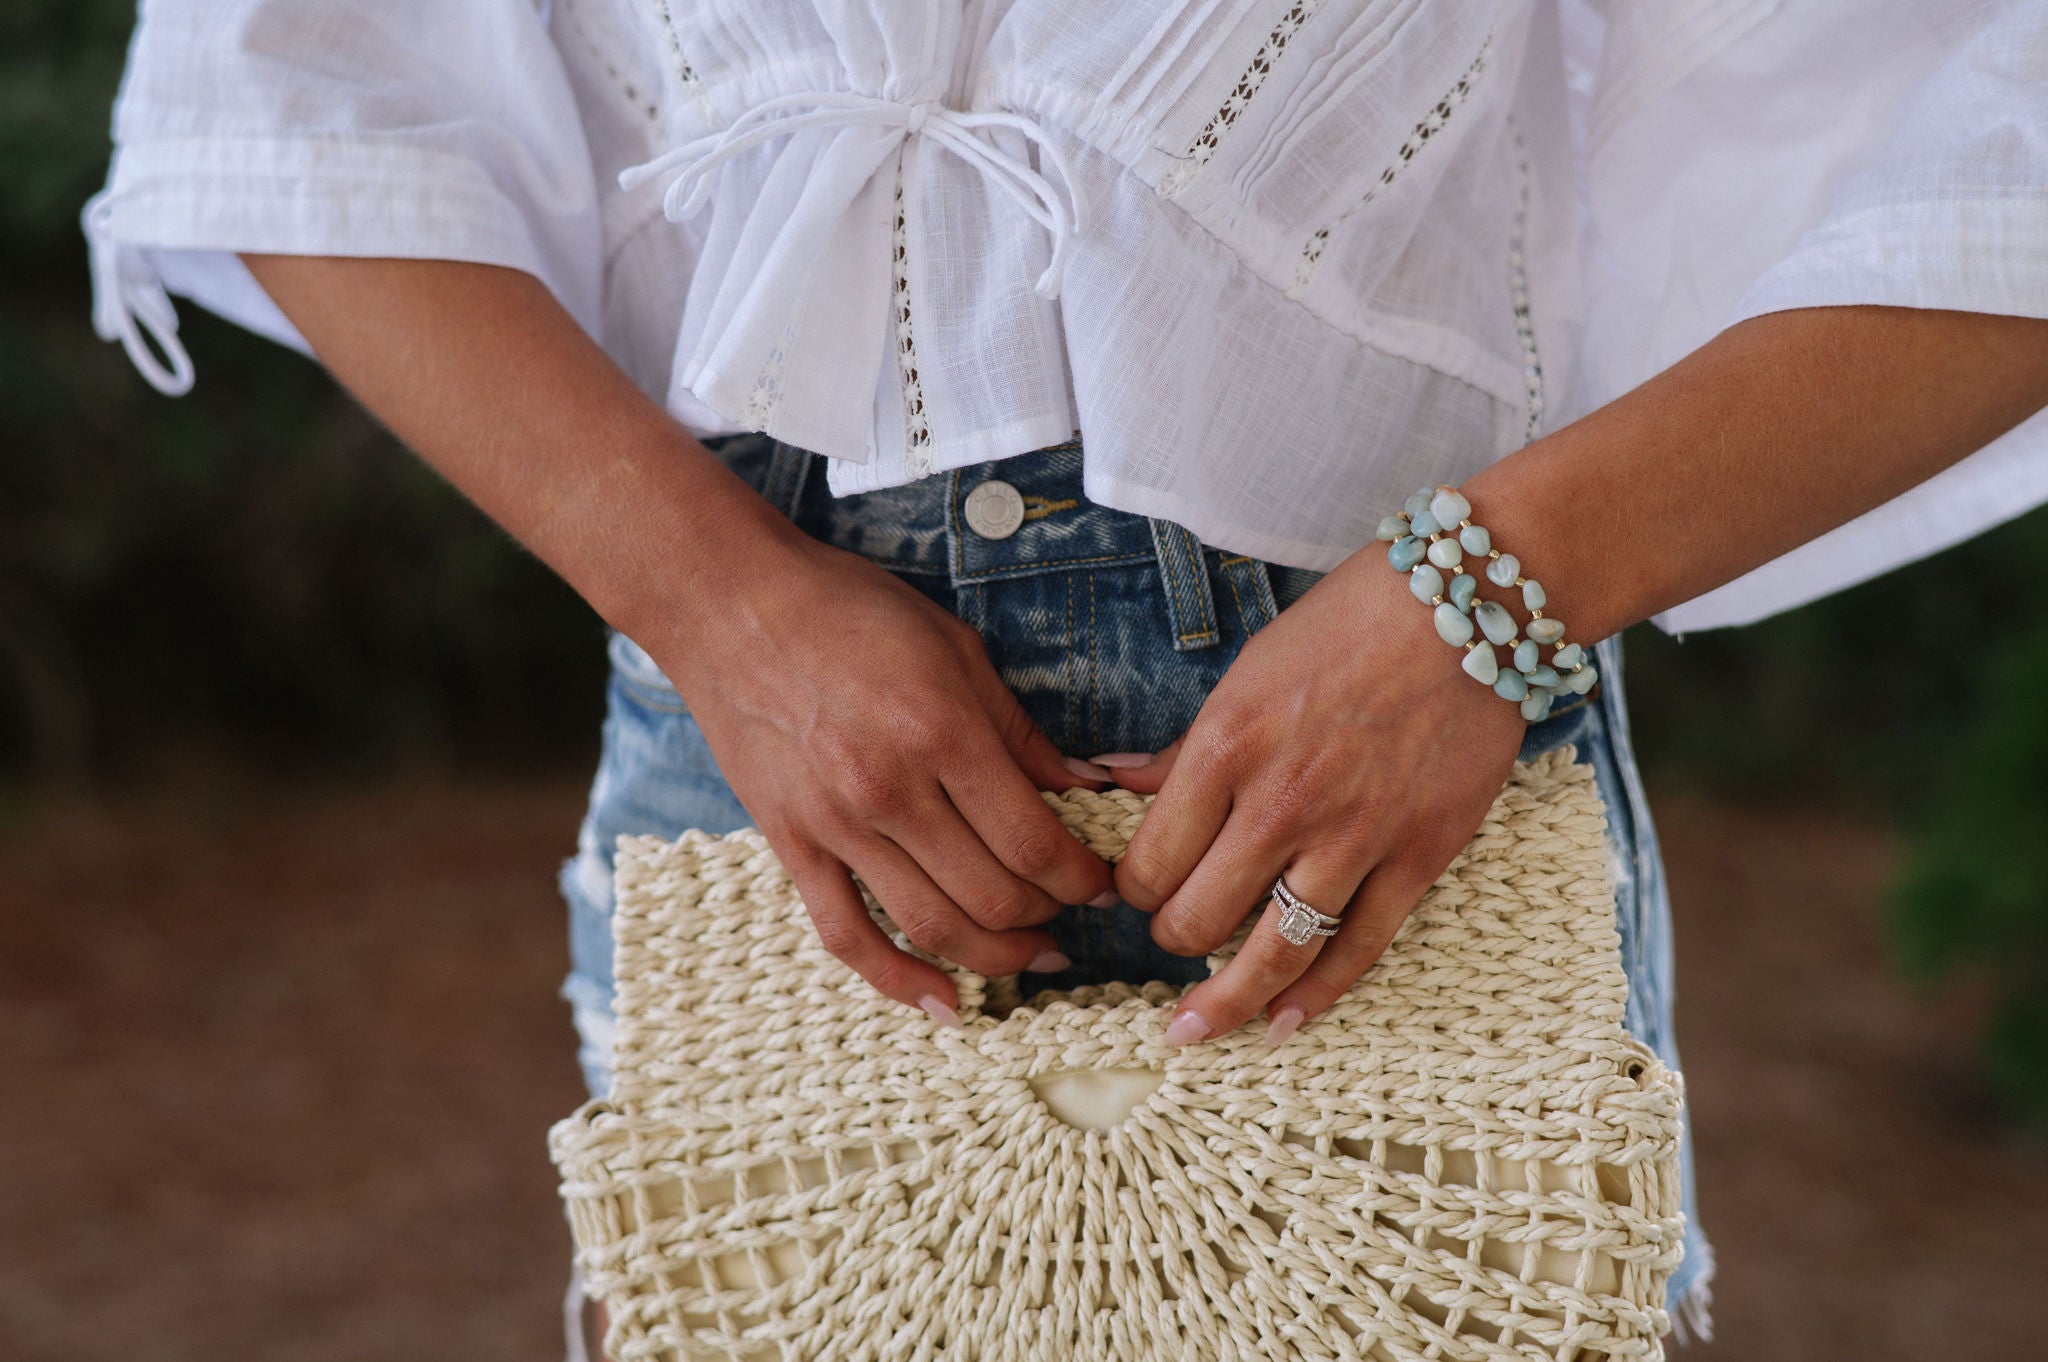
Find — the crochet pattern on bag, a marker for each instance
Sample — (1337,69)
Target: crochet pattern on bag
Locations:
(1466,1157)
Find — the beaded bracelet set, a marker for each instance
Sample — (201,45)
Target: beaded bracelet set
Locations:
(1431,536)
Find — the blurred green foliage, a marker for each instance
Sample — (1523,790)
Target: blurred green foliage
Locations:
(256,570)
(1922,699)
(1974,894)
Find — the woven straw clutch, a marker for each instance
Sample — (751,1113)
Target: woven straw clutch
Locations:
(1466,1157)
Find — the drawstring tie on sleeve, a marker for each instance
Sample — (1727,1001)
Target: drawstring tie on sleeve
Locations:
(128,299)
(1056,208)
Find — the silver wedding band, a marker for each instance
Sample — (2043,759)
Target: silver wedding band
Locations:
(1298,921)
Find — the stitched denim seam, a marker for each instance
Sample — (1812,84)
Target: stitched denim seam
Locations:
(1262,581)
(1244,622)
(1094,705)
(1189,600)
(1072,688)
(1050,564)
(1197,579)
(1265,607)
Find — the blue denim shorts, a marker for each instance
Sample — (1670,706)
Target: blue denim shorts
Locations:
(1111,628)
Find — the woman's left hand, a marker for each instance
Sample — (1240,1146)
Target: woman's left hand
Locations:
(1344,748)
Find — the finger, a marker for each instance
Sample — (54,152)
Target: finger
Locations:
(934,921)
(1267,962)
(1233,878)
(1143,776)
(1001,805)
(960,863)
(851,935)
(1033,752)
(1179,828)
(1371,919)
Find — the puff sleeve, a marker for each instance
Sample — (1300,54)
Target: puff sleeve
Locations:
(1743,158)
(333,127)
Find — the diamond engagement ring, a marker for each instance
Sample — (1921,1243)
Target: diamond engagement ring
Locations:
(1298,921)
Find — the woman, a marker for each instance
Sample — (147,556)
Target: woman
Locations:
(1087,348)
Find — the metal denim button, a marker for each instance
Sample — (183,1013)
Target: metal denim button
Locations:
(995,509)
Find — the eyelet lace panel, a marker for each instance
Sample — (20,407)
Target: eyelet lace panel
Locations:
(1432,123)
(768,389)
(917,434)
(1211,136)
(1518,294)
(684,74)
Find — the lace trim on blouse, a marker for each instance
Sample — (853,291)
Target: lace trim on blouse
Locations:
(768,386)
(687,77)
(1518,294)
(917,434)
(1432,123)
(1211,136)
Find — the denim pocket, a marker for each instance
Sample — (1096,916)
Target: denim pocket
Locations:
(641,677)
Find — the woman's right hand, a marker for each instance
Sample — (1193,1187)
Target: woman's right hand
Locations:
(859,723)
(864,728)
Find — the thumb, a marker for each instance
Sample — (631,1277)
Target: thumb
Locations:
(1145,775)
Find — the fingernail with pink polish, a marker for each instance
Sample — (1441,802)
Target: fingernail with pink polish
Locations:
(1108,898)
(1086,770)
(939,1010)
(1047,962)
(1124,759)
(1188,1026)
(1281,1025)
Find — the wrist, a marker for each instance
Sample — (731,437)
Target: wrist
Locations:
(1445,554)
(1574,535)
(662,535)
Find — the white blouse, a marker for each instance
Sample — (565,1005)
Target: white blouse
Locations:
(1280,261)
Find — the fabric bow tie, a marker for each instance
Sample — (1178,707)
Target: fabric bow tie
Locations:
(1057,208)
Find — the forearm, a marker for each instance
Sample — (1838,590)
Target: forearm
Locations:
(1775,432)
(483,373)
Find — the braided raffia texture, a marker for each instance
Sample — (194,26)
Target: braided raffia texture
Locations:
(1464,1158)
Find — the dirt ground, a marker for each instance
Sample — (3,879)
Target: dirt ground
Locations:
(278,1066)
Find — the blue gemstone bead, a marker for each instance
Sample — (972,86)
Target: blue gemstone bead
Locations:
(1418,502)
(1449,506)
(1526,656)
(1546,631)
(1510,686)
(1532,595)
(1541,676)
(1446,554)
(1424,524)
(1537,707)
(1568,657)
(1452,625)
(1481,665)
(1496,621)
(1581,681)
(1503,570)
(1427,583)
(1405,552)
(1392,527)
(1475,539)
(1463,589)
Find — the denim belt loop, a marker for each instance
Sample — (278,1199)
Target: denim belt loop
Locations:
(1251,586)
(1185,572)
